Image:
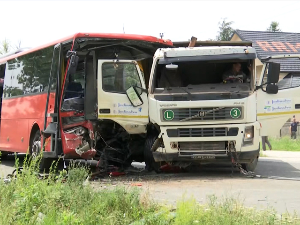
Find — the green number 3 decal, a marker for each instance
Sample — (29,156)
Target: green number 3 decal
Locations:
(235,113)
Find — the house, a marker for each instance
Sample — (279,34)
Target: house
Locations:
(273,43)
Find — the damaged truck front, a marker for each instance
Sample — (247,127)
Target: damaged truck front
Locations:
(205,105)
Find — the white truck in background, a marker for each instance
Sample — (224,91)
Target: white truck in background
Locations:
(196,118)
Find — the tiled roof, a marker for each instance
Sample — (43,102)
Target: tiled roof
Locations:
(274,43)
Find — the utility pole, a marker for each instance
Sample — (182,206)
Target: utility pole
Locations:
(161,35)
(123,29)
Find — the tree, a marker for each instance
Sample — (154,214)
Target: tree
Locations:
(274,27)
(225,30)
(5,47)
(18,45)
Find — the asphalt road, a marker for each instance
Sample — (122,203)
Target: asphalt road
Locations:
(280,190)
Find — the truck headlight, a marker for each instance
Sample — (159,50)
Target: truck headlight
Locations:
(249,134)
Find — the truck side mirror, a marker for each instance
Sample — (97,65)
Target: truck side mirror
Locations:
(134,97)
(273,73)
(272,89)
(73,64)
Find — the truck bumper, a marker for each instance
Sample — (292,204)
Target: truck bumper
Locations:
(207,143)
(244,157)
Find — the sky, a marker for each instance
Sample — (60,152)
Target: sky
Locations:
(36,23)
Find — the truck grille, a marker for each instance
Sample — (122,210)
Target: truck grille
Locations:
(202,148)
(205,114)
(203,132)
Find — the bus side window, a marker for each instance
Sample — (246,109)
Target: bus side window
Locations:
(43,63)
(17,75)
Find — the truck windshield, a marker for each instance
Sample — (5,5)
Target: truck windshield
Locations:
(205,80)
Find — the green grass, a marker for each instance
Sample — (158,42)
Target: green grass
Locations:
(227,211)
(29,200)
(285,144)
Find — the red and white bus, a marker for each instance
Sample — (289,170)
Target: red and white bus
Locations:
(68,98)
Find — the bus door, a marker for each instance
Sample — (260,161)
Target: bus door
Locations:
(50,132)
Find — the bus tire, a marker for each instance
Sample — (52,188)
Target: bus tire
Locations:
(250,166)
(3,155)
(35,150)
(149,160)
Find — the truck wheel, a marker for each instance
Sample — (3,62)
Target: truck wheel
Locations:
(149,160)
(35,150)
(250,166)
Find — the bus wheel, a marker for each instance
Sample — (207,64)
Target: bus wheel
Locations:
(35,150)
(3,155)
(149,160)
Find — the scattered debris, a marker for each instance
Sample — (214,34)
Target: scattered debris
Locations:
(116,173)
(167,168)
(137,184)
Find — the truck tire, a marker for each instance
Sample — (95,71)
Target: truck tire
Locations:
(149,160)
(250,166)
(35,150)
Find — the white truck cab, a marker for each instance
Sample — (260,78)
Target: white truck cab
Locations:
(204,104)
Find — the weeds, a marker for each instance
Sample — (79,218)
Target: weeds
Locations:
(226,211)
(77,174)
(30,200)
(285,144)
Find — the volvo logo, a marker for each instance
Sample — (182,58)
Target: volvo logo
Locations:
(201,113)
(204,113)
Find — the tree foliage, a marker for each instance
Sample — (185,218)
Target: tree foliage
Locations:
(274,27)
(225,30)
(5,47)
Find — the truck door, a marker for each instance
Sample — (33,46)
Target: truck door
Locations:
(273,110)
(114,78)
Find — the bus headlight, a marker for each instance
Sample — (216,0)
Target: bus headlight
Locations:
(249,134)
